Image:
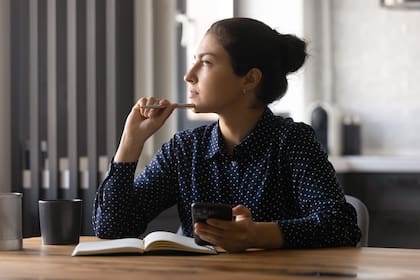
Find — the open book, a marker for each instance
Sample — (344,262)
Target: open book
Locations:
(155,241)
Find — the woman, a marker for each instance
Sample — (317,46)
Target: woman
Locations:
(272,170)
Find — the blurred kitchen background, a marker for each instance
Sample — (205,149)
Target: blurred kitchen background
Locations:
(70,71)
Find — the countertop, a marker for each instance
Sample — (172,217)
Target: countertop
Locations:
(376,163)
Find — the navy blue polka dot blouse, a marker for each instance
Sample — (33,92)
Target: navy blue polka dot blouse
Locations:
(278,171)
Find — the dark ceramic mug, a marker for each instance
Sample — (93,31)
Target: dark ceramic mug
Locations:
(60,221)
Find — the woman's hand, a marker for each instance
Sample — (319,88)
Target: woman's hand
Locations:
(233,236)
(241,234)
(140,124)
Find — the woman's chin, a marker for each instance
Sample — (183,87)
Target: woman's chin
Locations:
(202,109)
(197,110)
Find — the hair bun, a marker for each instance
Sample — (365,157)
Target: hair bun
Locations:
(294,52)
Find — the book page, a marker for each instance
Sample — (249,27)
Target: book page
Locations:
(162,240)
(124,245)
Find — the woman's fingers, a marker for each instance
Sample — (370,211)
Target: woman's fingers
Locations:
(241,212)
(231,235)
(207,230)
(147,112)
(146,109)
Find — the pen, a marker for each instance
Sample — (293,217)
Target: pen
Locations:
(155,106)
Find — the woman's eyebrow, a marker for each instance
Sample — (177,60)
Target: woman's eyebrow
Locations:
(203,54)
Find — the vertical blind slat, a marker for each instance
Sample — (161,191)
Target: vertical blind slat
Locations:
(32,195)
(91,105)
(73,143)
(124,34)
(111,110)
(52,101)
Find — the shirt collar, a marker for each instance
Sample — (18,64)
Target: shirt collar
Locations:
(256,137)
(215,144)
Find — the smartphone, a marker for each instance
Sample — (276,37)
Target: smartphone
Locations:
(202,211)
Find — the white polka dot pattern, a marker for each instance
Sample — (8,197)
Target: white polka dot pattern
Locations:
(278,171)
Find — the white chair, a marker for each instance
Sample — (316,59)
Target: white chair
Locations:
(180,231)
(362,218)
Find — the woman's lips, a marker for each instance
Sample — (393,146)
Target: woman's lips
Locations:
(192,93)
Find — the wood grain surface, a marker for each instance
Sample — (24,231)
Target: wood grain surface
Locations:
(37,261)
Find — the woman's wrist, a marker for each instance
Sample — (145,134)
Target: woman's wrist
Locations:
(129,150)
(268,235)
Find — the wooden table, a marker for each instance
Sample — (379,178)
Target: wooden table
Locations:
(36,261)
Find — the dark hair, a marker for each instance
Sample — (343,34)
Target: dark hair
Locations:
(253,44)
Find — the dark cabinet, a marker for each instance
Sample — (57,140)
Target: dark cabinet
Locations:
(393,201)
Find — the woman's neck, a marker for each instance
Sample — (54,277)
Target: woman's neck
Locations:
(235,126)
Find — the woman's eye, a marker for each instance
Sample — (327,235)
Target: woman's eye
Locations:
(205,62)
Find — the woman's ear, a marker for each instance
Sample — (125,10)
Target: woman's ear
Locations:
(252,79)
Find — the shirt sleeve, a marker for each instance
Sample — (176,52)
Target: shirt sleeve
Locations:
(125,204)
(325,219)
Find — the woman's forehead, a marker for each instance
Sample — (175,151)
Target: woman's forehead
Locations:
(210,45)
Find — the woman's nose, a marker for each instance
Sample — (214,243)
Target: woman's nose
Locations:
(189,77)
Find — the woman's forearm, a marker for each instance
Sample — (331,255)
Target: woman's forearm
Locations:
(269,235)
(129,149)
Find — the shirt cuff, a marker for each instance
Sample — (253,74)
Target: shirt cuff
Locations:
(118,167)
(298,233)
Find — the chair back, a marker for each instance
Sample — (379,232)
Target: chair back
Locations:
(362,218)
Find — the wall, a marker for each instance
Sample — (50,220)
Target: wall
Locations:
(376,74)
(5,181)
